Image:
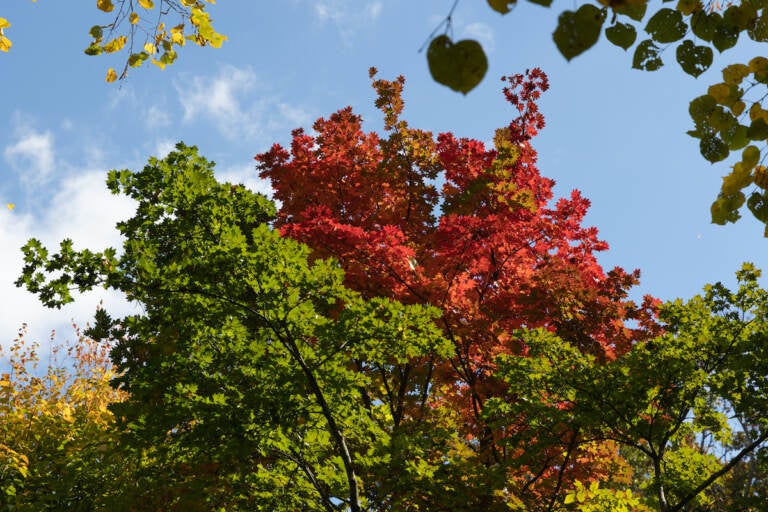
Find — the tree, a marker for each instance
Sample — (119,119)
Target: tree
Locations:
(56,432)
(145,30)
(497,259)
(255,380)
(688,406)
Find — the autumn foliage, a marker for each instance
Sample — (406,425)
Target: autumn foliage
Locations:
(472,230)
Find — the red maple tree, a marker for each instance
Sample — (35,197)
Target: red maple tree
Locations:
(471,230)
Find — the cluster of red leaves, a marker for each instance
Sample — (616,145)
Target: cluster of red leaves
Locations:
(499,256)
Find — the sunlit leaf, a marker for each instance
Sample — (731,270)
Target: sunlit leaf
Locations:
(105,5)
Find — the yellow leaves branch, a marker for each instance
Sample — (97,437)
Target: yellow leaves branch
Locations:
(159,44)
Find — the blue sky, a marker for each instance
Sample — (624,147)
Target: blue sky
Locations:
(616,134)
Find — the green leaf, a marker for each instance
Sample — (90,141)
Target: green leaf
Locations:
(725,35)
(758,130)
(688,7)
(647,56)
(501,6)
(713,148)
(758,205)
(740,17)
(694,59)
(736,136)
(759,31)
(460,66)
(633,10)
(704,25)
(578,31)
(700,108)
(750,156)
(735,73)
(622,35)
(667,26)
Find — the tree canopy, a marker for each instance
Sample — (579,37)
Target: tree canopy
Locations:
(445,340)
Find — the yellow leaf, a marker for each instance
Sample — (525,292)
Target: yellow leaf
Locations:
(5,43)
(105,5)
(4,23)
(150,48)
(116,44)
(147,4)
(158,63)
(111,75)
(133,18)
(10,206)
(177,34)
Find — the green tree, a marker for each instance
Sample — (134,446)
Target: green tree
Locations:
(255,379)
(688,408)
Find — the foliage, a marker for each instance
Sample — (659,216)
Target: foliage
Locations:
(498,258)
(147,30)
(56,433)
(255,380)
(729,117)
(674,400)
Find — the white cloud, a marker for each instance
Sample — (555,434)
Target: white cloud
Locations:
(349,16)
(163,147)
(156,117)
(219,98)
(32,155)
(238,104)
(482,33)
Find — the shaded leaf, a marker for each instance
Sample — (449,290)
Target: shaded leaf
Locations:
(622,35)
(666,26)
(633,10)
(713,148)
(578,31)
(501,6)
(694,59)
(460,66)
(758,130)
(704,25)
(647,56)
(725,36)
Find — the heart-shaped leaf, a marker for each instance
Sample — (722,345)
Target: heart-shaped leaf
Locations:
(694,59)
(666,26)
(578,31)
(622,35)
(460,66)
